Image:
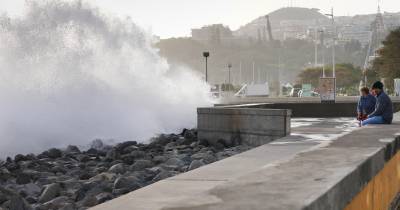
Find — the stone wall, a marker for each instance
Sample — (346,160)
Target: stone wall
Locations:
(252,126)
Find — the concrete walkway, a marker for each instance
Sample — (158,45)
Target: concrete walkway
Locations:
(290,173)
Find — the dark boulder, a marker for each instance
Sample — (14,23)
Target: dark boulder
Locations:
(71,149)
(23,178)
(50,192)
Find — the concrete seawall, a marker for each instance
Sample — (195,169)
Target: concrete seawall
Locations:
(325,164)
(311,109)
(307,107)
(251,126)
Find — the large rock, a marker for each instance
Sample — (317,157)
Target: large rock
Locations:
(175,162)
(121,146)
(23,178)
(89,201)
(196,164)
(105,176)
(141,165)
(159,159)
(51,153)
(207,157)
(50,192)
(130,182)
(138,154)
(5,174)
(71,149)
(30,189)
(3,197)
(57,203)
(103,197)
(20,157)
(117,168)
(163,175)
(18,203)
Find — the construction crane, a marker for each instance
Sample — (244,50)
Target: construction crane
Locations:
(375,42)
(271,38)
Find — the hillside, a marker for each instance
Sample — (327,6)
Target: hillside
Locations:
(286,14)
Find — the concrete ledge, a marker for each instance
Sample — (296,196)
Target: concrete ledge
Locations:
(295,172)
(311,108)
(242,125)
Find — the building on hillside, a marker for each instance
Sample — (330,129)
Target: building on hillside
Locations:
(349,32)
(216,33)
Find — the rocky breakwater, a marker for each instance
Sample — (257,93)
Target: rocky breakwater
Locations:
(71,179)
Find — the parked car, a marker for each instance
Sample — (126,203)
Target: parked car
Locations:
(295,92)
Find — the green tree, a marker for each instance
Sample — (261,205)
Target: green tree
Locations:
(347,76)
(387,64)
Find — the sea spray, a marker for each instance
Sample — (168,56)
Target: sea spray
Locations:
(70,74)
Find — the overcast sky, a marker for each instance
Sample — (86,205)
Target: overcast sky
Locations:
(168,18)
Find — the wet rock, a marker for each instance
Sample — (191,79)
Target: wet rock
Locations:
(31,199)
(50,192)
(163,175)
(175,161)
(130,149)
(31,189)
(18,203)
(141,165)
(20,157)
(3,198)
(82,158)
(89,201)
(109,177)
(5,174)
(117,169)
(71,149)
(129,182)
(159,159)
(71,179)
(51,153)
(138,154)
(207,157)
(23,178)
(103,197)
(68,206)
(112,155)
(162,140)
(196,164)
(121,146)
(56,203)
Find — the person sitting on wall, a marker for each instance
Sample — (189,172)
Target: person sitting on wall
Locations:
(366,104)
(383,113)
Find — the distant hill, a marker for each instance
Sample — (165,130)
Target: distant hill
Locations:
(286,14)
(296,13)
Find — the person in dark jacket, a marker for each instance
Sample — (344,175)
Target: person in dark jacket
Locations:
(366,104)
(383,113)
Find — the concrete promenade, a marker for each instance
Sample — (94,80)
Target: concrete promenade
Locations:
(323,164)
(249,100)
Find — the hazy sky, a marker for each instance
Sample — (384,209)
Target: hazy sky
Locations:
(168,18)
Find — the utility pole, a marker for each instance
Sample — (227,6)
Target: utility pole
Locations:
(316,48)
(229,72)
(254,65)
(206,55)
(333,43)
(240,73)
(323,53)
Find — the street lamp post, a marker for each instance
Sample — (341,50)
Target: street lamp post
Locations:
(322,52)
(206,55)
(229,76)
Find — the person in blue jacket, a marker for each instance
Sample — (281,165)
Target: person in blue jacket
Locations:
(383,113)
(366,104)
